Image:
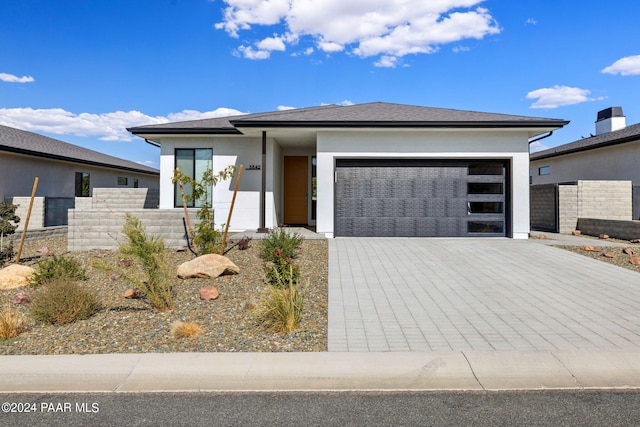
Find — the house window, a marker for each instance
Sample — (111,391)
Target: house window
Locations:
(192,162)
(544,170)
(83,184)
(486,168)
(123,180)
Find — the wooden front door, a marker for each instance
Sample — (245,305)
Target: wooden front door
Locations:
(296,188)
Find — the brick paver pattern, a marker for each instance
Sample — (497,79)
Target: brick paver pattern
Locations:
(394,294)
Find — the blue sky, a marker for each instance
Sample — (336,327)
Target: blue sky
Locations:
(82,71)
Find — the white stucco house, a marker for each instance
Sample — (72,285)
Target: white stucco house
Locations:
(65,171)
(375,169)
(612,154)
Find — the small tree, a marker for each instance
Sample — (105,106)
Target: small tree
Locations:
(205,237)
(8,224)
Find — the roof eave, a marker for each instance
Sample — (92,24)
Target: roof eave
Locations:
(542,155)
(73,160)
(401,124)
(183,131)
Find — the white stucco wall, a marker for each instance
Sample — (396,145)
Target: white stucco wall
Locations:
(57,178)
(618,162)
(425,144)
(228,151)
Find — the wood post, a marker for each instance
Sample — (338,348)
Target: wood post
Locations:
(26,222)
(233,201)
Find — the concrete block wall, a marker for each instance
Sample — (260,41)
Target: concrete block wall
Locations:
(611,200)
(543,207)
(125,198)
(605,200)
(36,220)
(102,228)
(636,202)
(625,230)
(567,208)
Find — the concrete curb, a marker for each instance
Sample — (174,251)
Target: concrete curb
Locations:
(473,370)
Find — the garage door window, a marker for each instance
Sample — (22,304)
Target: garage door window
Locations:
(485,188)
(486,168)
(493,227)
(486,207)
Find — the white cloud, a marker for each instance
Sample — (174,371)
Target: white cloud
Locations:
(10,78)
(458,49)
(107,126)
(559,96)
(386,62)
(627,66)
(250,53)
(362,27)
(285,108)
(531,21)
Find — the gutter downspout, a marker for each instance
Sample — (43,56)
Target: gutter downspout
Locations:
(541,137)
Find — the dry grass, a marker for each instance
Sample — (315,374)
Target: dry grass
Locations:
(61,301)
(281,309)
(185,330)
(12,323)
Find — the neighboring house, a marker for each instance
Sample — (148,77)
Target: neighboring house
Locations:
(65,171)
(373,169)
(613,154)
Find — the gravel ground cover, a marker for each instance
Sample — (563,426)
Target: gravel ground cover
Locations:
(130,326)
(611,254)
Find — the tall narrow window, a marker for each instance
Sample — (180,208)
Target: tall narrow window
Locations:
(192,162)
(83,184)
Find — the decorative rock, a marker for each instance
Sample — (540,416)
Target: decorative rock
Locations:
(628,251)
(207,266)
(15,276)
(635,260)
(542,237)
(634,241)
(590,248)
(133,293)
(208,293)
(45,251)
(576,232)
(181,249)
(609,255)
(603,236)
(21,298)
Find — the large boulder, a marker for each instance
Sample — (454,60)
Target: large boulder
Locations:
(207,266)
(15,276)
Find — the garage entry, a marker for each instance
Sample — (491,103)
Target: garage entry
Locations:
(422,198)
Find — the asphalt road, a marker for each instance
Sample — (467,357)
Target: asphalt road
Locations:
(524,408)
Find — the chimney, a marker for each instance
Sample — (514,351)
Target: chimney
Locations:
(610,119)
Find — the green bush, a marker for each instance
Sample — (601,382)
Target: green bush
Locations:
(63,301)
(282,272)
(57,267)
(8,224)
(281,309)
(279,244)
(149,252)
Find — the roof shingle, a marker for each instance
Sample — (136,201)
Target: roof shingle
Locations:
(29,143)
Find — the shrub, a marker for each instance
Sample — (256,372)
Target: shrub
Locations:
(206,239)
(185,330)
(8,225)
(58,267)
(149,251)
(279,244)
(281,309)
(11,323)
(63,301)
(282,272)
(6,253)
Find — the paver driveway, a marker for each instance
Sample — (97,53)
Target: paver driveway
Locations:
(397,294)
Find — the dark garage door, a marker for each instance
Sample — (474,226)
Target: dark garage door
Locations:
(421,198)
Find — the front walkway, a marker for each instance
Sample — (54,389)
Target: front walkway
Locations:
(399,294)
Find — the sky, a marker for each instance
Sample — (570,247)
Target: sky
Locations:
(82,71)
